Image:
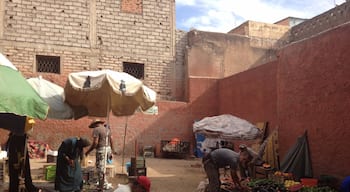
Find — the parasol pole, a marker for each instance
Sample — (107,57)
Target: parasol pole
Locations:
(125,128)
(107,143)
(122,89)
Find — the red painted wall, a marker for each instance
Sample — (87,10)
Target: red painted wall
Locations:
(307,89)
(314,95)
(251,95)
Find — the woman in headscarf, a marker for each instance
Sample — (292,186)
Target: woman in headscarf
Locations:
(68,170)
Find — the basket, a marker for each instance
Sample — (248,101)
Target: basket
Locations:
(309,182)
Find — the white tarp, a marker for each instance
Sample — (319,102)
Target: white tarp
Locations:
(6,62)
(227,127)
(54,95)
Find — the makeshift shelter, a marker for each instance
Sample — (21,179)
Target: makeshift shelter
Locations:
(298,160)
(210,131)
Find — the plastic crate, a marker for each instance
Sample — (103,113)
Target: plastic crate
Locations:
(50,173)
(309,182)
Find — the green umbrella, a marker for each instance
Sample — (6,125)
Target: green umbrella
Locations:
(18,97)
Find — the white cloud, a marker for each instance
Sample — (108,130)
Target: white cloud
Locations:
(224,15)
(185,2)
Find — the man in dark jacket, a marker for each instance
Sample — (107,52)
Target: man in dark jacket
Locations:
(68,170)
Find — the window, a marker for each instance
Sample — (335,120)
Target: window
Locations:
(48,64)
(134,69)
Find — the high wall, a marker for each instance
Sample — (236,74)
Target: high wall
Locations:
(313,95)
(306,89)
(263,35)
(91,35)
(323,22)
(251,95)
(218,55)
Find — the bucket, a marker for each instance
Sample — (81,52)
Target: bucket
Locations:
(127,166)
(309,182)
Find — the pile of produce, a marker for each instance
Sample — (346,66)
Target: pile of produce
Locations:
(283,182)
(265,185)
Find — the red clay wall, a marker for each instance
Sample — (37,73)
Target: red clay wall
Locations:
(251,95)
(175,119)
(313,95)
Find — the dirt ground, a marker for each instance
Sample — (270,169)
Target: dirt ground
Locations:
(166,175)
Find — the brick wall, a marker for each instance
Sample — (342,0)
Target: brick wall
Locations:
(91,35)
(180,65)
(57,23)
(263,35)
(325,21)
(132,6)
(174,119)
(243,29)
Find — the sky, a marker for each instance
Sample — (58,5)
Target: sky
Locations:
(224,15)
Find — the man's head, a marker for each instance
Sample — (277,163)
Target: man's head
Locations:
(95,123)
(141,184)
(244,156)
(242,147)
(83,142)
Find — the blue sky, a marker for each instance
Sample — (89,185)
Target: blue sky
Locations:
(224,15)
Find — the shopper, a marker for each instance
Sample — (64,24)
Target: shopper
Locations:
(102,143)
(222,158)
(68,170)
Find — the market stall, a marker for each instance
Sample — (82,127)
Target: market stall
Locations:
(221,131)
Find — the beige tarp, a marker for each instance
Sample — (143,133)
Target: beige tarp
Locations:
(95,93)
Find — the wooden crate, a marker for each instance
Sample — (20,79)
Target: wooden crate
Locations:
(110,171)
(88,175)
